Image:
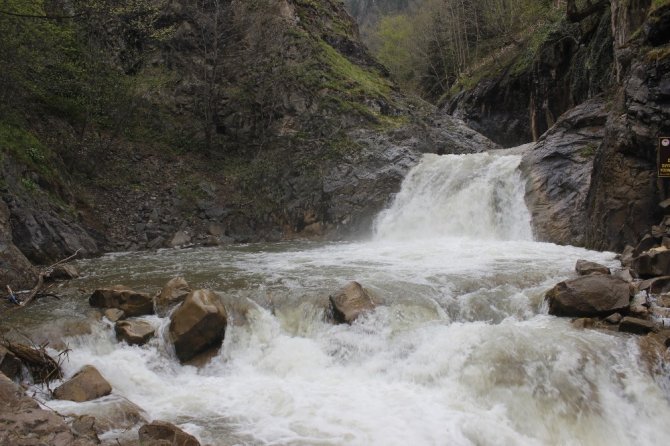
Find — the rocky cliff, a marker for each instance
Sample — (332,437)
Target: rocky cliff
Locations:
(202,122)
(594,98)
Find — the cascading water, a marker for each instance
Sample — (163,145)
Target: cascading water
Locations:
(460,354)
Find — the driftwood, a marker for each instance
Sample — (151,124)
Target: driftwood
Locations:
(40,290)
(42,367)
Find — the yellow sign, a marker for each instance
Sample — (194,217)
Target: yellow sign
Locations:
(664,157)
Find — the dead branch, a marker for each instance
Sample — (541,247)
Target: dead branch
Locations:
(42,367)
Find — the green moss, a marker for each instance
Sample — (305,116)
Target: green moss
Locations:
(24,147)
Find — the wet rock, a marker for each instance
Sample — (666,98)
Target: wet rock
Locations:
(636,325)
(588,296)
(198,324)
(648,242)
(84,427)
(132,303)
(585,268)
(10,365)
(654,262)
(174,292)
(624,274)
(161,432)
(350,302)
(584,322)
(134,332)
(62,272)
(180,238)
(614,318)
(559,169)
(114,314)
(626,256)
(24,422)
(111,412)
(87,384)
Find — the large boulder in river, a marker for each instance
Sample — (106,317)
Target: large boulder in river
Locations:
(161,432)
(588,296)
(198,325)
(86,385)
(132,303)
(585,268)
(174,292)
(350,302)
(134,332)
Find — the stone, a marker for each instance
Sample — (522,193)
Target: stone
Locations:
(86,385)
(614,318)
(24,422)
(132,303)
(10,365)
(15,269)
(624,274)
(112,412)
(654,262)
(63,272)
(583,322)
(161,431)
(350,302)
(211,240)
(588,296)
(626,256)
(156,242)
(173,293)
(216,229)
(134,332)
(584,268)
(198,324)
(636,326)
(648,242)
(114,314)
(180,238)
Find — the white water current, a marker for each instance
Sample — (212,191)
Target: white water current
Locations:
(462,352)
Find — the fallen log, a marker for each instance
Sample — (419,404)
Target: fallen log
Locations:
(42,367)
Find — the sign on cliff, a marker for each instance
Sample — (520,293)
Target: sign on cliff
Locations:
(664,157)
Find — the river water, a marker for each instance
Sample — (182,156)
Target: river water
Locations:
(462,352)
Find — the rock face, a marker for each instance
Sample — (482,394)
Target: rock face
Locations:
(559,169)
(198,324)
(174,292)
(134,332)
(15,269)
(130,302)
(587,296)
(87,384)
(161,432)
(585,268)
(350,302)
(25,423)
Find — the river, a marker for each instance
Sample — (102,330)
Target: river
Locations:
(462,353)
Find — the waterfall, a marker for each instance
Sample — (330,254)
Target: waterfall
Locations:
(476,195)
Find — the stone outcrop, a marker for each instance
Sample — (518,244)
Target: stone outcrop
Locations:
(134,332)
(87,384)
(351,302)
(24,422)
(199,324)
(132,303)
(173,293)
(585,268)
(15,269)
(161,432)
(587,296)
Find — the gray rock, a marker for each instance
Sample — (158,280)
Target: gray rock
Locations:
(636,325)
(655,262)
(350,302)
(134,332)
(589,296)
(87,384)
(198,324)
(585,268)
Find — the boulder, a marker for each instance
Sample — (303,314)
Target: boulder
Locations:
(10,365)
(114,314)
(648,242)
(24,422)
(636,325)
(161,432)
(654,262)
(131,302)
(585,268)
(614,318)
(62,272)
(134,332)
(588,296)
(198,324)
(180,238)
(87,384)
(350,302)
(111,412)
(174,292)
